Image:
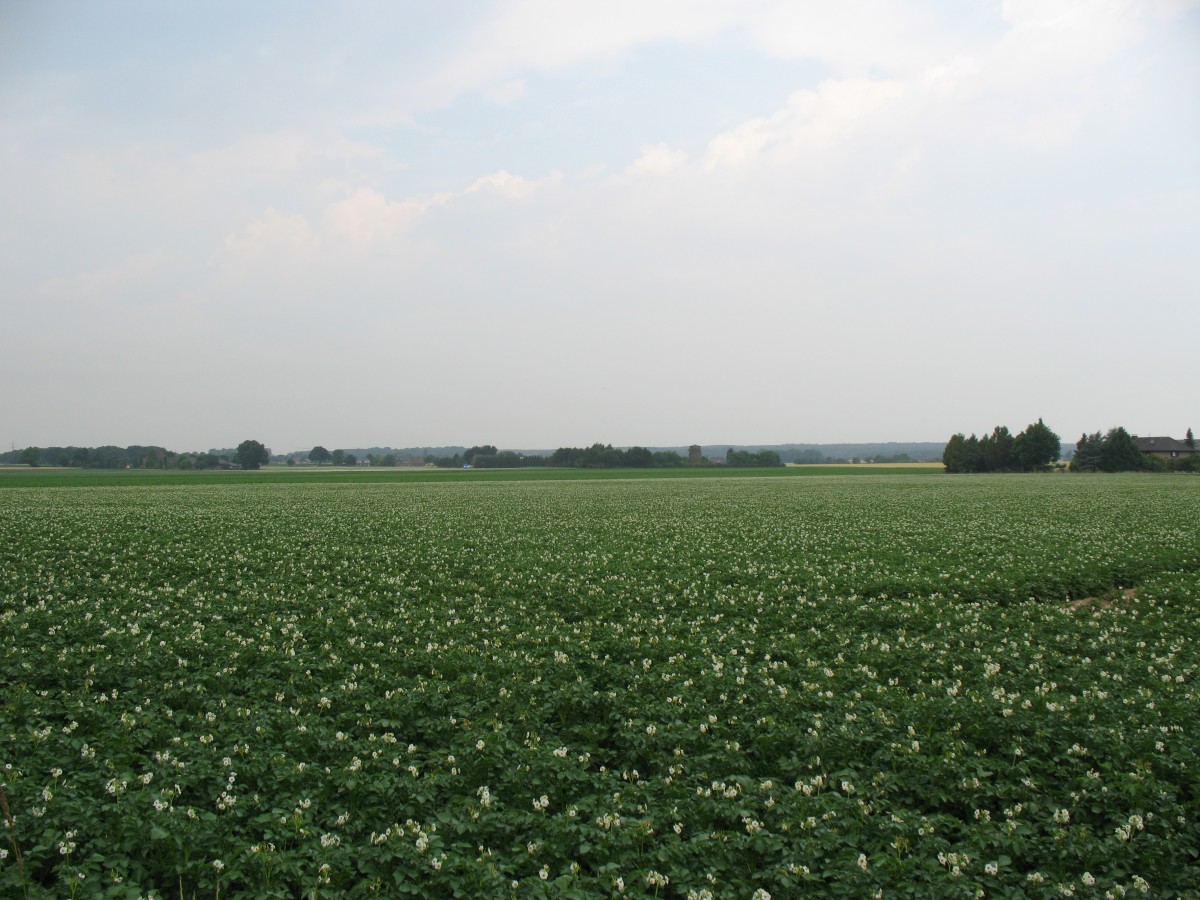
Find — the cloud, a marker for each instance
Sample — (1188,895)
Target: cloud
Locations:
(546,36)
(273,233)
(366,215)
(855,38)
(812,120)
(657,159)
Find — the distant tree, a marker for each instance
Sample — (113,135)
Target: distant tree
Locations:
(998,451)
(962,455)
(638,458)
(389,460)
(106,457)
(349,459)
(746,459)
(484,450)
(809,457)
(1036,447)
(1119,453)
(338,457)
(564,456)
(1088,450)
(513,460)
(952,456)
(207,461)
(505,459)
(252,455)
(319,455)
(667,459)
(291,460)
(1190,440)
(31,456)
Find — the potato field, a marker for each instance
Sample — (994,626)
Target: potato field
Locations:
(888,686)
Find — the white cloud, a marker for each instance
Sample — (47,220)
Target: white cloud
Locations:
(812,120)
(272,233)
(657,159)
(856,38)
(502,182)
(366,215)
(547,35)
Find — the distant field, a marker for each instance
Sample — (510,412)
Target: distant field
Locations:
(19,476)
(440,684)
(890,467)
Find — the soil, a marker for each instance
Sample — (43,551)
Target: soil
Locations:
(1106,602)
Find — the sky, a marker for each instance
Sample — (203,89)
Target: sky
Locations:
(534,224)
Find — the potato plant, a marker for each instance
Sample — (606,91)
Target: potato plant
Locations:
(891,686)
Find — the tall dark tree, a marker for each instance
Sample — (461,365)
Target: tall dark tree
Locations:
(609,458)
(338,457)
(31,456)
(953,455)
(767,459)
(319,455)
(1120,453)
(638,458)
(482,450)
(251,455)
(963,455)
(1036,447)
(1088,450)
(1190,440)
(738,457)
(998,451)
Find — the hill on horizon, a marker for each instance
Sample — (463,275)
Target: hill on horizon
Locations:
(917,451)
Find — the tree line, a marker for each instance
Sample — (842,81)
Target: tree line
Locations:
(248,455)
(321,456)
(1116,451)
(1037,447)
(599,456)
(1033,449)
(811,457)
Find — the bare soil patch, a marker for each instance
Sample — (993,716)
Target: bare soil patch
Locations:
(1107,601)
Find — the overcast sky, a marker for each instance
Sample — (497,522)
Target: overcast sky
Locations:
(542,223)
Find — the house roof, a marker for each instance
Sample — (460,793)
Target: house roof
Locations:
(1161,445)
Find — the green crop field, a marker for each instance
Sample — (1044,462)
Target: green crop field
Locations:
(746,687)
(20,476)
